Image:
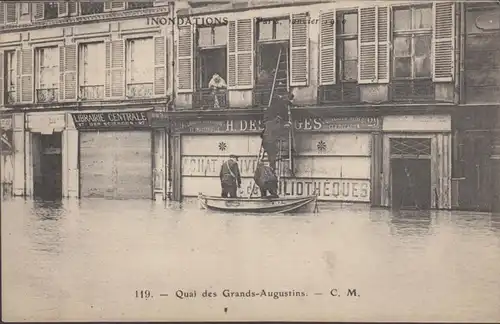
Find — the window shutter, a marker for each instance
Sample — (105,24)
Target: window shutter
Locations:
(73,8)
(61,72)
(107,68)
(367,66)
(11,10)
(160,61)
(299,50)
(115,5)
(62,9)
(2,74)
(107,6)
(18,76)
(185,58)
(384,46)
(244,53)
(231,54)
(70,68)
(118,68)
(443,42)
(327,51)
(2,14)
(27,75)
(38,10)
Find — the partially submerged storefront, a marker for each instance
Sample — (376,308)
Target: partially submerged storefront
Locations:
(115,154)
(6,155)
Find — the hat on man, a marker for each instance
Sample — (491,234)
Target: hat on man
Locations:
(232,156)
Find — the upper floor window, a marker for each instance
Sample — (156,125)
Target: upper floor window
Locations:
(412,42)
(274,29)
(47,73)
(212,36)
(10,76)
(347,46)
(50,10)
(139,4)
(91,71)
(140,70)
(10,13)
(90,8)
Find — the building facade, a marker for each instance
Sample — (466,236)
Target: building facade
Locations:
(391,105)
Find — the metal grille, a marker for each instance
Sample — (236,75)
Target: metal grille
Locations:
(412,90)
(341,92)
(411,146)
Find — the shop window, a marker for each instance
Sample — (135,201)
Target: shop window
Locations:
(10,77)
(346,89)
(211,87)
(412,46)
(91,8)
(140,69)
(91,71)
(47,74)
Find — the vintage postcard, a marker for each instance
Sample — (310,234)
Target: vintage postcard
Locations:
(250,160)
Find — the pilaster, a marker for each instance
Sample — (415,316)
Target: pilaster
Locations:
(19,154)
(70,169)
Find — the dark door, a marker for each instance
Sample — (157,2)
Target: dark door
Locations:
(48,182)
(411,183)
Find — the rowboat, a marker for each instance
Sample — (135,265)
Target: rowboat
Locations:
(259,205)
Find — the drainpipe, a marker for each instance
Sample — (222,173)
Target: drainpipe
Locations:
(461,55)
(171,10)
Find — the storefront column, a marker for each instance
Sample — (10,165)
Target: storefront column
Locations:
(159,164)
(70,172)
(495,165)
(18,141)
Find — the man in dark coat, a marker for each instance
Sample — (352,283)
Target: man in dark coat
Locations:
(266,179)
(230,178)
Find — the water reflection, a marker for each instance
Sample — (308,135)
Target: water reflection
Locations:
(411,222)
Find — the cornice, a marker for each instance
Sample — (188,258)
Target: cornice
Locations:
(101,17)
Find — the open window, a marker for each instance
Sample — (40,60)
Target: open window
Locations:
(211,77)
(273,62)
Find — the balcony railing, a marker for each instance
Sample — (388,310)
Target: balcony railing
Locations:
(47,95)
(261,95)
(210,99)
(140,90)
(412,90)
(343,92)
(11,97)
(93,92)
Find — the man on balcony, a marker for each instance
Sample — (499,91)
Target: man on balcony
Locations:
(218,86)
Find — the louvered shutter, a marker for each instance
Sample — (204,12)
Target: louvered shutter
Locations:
(231,54)
(443,42)
(11,12)
(107,6)
(327,51)
(27,75)
(2,83)
(384,46)
(116,5)
(185,59)
(2,14)
(70,68)
(73,8)
(38,10)
(244,53)
(160,62)
(299,50)
(62,9)
(18,76)
(367,65)
(114,85)
(61,72)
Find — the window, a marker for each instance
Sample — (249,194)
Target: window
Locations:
(10,12)
(139,68)
(274,29)
(412,42)
(139,5)
(10,76)
(91,71)
(91,8)
(50,10)
(47,69)
(347,46)
(25,9)
(212,36)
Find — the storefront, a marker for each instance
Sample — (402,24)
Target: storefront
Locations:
(7,156)
(115,154)
(333,156)
(416,160)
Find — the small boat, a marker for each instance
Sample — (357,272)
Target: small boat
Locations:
(259,205)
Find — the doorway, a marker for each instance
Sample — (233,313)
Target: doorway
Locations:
(47,166)
(411,183)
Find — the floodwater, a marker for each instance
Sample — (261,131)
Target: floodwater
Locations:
(93,260)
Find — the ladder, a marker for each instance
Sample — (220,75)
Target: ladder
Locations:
(280,85)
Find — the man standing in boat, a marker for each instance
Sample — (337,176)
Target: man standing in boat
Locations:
(230,178)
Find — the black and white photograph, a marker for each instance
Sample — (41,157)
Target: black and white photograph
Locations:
(250,160)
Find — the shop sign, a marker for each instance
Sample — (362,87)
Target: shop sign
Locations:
(328,189)
(6,135)
(332,124)
(92,120)
(6,122)
(46,123)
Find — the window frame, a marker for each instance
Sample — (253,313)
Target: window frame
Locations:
(80,9)
(128,3)
(340,38)
(413,34)
(81,64)
(10,60)
(274,21)
(213,45)
(38,72)
(55,8)
(128,60)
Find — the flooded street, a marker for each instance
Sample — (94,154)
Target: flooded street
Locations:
(90,259)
